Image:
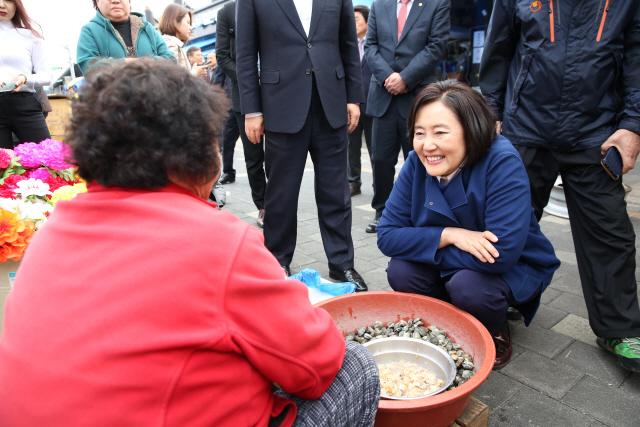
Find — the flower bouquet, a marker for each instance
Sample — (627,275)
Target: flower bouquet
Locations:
(33,177)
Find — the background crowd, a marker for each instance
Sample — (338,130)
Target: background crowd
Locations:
(312,78)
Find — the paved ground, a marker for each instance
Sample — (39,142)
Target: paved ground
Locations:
(557,377)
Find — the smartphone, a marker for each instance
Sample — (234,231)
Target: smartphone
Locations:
(8,87)
(206,63)
(612,162)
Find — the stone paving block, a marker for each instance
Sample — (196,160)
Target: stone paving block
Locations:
(567,279)
(360,243)
(549,295)
(383,261)
(604,403)
(369,252)
(496,390)
(595,423)
(543,374)
(300,260)
(547,317)
(539,340)
(528,408)
(632,384)
(566,257)
(310,247)
(316,237)
(306,229)
(577,328)
(594,361)
(570,303)
(320,267)
(307,216)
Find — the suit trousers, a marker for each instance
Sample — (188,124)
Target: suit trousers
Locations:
(230,136)
(365,126)
(389,136)
(603,235)
(254,161)
(21,113)
(487,299)
(285,162)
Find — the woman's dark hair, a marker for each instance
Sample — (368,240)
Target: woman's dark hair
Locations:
(472,110)
(21,19)
(135,123)
(364,11)
(171,16)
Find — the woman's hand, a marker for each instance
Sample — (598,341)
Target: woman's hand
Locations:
(478,244)
(200,71)
(20,80)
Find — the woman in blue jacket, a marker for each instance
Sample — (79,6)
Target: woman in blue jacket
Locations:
(459,225)
(116,33)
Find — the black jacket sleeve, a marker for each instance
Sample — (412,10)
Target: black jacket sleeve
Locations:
(225,35)
(630,114)
(499,50)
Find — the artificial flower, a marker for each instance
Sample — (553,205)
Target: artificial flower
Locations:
(32,187)
(67,192)
(29,155)
(41,174)
(56,182)
(19,232)
(10,226)
(53,153)
(5,159)
(9,185)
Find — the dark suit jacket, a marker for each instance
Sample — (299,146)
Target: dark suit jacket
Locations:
(414,56)
(289,60)
(221,79)
(226,49)
(492,194)
(366,78)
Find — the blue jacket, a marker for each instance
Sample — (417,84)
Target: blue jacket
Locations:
(414,56)
(493,195)
(563,75)
(98,40)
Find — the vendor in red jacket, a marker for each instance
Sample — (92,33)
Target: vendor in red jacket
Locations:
(139,304)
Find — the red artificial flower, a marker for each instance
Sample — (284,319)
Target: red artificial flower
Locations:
(5,159)
(10,184)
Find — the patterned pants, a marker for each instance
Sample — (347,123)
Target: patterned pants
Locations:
(351,399)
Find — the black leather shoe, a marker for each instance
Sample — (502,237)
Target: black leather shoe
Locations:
(504,349)
(227,178)
(287,270)
(350,275)
(373,226)
(355,191)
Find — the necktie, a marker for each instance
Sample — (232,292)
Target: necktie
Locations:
(361,48)
(402,17)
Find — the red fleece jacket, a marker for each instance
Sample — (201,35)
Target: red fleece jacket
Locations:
(152,308)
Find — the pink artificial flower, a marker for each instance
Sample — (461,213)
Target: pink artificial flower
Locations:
(41,174)
(29,155)
(5,159)
(53,153)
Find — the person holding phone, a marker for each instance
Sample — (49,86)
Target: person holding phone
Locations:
(22,67)
(175,27)
(564,105)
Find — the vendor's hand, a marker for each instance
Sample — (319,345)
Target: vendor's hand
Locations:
(19,80)
(254,127)
(628,144)
(130,59)
(395,84)
(499,127)
(353,115)
(478,244)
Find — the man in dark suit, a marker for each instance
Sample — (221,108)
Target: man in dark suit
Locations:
(405,40)
(253,153)
(308,91)
(366,122)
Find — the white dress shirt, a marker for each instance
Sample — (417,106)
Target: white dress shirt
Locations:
(20,53)
(400,5)
(304,8)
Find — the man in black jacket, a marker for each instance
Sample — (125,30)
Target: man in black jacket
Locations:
(565,82)
(253,153)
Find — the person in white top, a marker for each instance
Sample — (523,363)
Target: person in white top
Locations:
(22,66)
(175,27)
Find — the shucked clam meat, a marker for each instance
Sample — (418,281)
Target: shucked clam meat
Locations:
(416,329)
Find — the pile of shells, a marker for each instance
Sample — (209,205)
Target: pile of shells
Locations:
(415,328)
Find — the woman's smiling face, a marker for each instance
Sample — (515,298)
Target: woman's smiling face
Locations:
(438,139)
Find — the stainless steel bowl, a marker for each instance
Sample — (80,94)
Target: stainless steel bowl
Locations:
(421,352)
